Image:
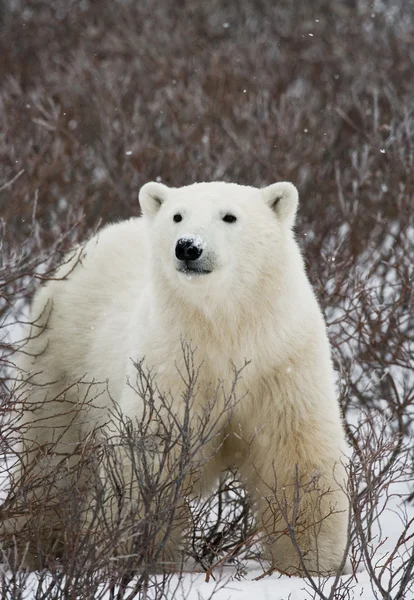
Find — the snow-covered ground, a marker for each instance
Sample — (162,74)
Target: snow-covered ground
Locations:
(224,586)
(270,588)
(280,587)
(193,587)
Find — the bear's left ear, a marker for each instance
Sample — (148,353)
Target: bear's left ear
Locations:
(151,197)
(283,198)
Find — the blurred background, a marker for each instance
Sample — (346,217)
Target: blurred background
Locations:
(99,97)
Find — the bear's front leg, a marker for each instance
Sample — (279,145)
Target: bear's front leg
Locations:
(299,484)
(139,507)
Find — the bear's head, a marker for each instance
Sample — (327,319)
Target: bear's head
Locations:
(218,234)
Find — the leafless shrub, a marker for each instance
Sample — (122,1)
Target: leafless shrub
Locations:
(382,464)
(109,528)
(223,529)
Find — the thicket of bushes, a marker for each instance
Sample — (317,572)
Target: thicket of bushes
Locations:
(96,98)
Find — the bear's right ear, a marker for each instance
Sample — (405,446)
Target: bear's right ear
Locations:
(283,199)
(151,196)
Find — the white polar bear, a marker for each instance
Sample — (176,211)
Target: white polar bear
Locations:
(215,264)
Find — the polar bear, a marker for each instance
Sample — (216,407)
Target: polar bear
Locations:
(217,265)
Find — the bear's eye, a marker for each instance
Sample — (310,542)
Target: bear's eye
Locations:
(177,218)
(229,218)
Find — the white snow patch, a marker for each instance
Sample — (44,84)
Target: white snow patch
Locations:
(196,240)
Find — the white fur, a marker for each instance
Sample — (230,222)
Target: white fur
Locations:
(126,300)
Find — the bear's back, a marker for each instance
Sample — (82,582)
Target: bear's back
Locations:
(94,291)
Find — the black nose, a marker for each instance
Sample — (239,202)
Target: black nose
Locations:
(186,249)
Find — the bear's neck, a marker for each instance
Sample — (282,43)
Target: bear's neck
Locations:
(235,326)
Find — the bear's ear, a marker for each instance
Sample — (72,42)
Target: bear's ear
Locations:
(151,196)
(283,198)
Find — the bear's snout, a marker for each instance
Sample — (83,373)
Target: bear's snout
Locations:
(189,248)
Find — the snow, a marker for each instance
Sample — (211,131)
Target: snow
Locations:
(196,240)
(223,585)
(275,587)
